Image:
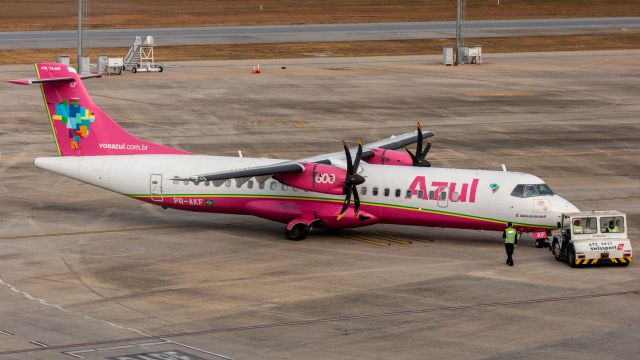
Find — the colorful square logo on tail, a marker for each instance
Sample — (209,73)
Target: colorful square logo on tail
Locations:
(77,119)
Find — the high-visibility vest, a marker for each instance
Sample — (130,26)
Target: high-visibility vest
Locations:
(613,229)
(510,236)
(577,229)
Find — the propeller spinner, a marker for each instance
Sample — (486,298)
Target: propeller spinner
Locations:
(351,180)
(420,157)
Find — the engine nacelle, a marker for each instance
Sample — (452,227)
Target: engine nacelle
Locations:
(390,157)
(326,179)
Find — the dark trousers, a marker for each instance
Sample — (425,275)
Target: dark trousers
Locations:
(509,249)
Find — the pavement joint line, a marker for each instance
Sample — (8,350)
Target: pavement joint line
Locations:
(161,227)
(331,319)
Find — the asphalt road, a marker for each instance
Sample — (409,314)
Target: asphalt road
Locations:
(88,273)
(318,32)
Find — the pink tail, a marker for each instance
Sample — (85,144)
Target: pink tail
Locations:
(80,128)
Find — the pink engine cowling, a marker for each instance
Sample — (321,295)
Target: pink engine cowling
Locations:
(326,179)
(390,157)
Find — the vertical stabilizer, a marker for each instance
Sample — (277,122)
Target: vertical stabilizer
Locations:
(80,128)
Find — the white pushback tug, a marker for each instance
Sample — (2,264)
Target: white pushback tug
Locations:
(593,237)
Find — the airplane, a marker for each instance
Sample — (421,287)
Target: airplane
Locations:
(374,183)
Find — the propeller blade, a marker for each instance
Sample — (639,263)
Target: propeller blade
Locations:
(348,155)
(356,201)
(345,204)
(426,150)
(419,145)
(414,159)
(356,162)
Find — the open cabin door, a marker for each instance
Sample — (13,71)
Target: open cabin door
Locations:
(155,187)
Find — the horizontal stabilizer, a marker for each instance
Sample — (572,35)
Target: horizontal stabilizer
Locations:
(53,79)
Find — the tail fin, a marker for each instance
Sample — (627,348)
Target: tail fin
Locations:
(80,128)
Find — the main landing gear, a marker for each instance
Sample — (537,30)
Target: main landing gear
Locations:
(298,232)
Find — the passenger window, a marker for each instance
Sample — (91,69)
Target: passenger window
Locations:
(273,185)
(455,196)
(443,195)
(398,192)
(284,187)
(176,181)
(238,184)
(227,183)
(294,189)
(432,195)
(261,185)
(186,182)
(207,183)
(374,191)
(363,190)
(250,184)
(420,194)
(386,191)
(409,194)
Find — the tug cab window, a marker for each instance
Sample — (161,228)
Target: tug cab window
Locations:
(525,191)
(612,224)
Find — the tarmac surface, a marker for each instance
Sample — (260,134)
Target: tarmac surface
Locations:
(85,273)
(319,32)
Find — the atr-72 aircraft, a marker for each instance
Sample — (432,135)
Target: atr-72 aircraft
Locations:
(364,185)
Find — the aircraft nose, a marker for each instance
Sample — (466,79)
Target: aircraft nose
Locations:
(562,205)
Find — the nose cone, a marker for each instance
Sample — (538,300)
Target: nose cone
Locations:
(562,205)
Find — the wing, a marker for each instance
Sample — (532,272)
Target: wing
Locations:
(296,166)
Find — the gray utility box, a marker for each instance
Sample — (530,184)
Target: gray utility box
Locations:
(63,60)
(447,56)
(85,65)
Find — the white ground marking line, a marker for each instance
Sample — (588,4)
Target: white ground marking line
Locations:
(198,349)
(44,302)
(34,342)
(76,352)
(6,333)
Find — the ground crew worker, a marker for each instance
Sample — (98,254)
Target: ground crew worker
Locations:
(612,228)
(510,236)
(577,228)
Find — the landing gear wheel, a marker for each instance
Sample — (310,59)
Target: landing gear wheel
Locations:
(160,69)
(540,243)
(134,70)
(297,232)
(571,256)
(556,250)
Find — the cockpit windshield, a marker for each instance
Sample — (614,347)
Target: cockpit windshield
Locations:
(525,190)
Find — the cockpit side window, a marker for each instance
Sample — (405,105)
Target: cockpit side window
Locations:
(526,190)
(518,191)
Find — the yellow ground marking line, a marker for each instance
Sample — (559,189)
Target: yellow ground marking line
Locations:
(389,238)
(372,242)
(413,238)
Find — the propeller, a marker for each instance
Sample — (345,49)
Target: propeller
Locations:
(351,180)
(420,157)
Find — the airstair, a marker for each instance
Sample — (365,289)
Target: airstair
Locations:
(139,58)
